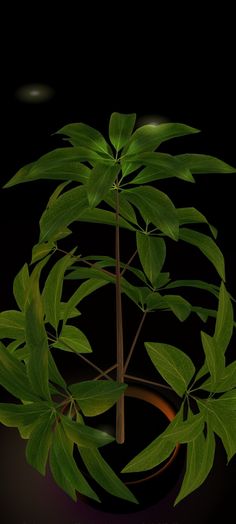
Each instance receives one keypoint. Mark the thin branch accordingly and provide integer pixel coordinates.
(139, 379)
(135, 341)
(129, 262)
(79, 257)
(106, 371)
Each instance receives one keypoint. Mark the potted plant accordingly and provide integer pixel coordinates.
(114, 185)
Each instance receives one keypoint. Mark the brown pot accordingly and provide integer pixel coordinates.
(147, 413)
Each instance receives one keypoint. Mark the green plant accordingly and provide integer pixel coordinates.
(111, 186)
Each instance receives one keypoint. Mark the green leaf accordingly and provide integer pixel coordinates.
(66, 210)
(207, 246)
(20, 286)
(85, 436)
(13, 376)
(228, 400)
(120, 129)
(214, 357)
(12, 324)
(41, 250)
(54, 373)
(205, 164)
(86, 136)
(180, 307)
(85, 289)
(101, 179)
(100, 470)
(53, 289)
(174, 366)
(190, 215)
(102, 216)
(64, 469)
(224, 320)
(155, 207)
(39, 442)
(72, 339)
(223, 422)
(152, 253)
(159, 166)
(226, 382)
(149, 137)
(125, 208)
(200, 458)
(36, 337)
(178, 431)
(199, 284)
(14, 415)
(95, 397)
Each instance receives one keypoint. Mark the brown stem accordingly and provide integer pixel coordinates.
(120, 416)
(106, 371)
(139, 379)
(134, 341)
(129, 262)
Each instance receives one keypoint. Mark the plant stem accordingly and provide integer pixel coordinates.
(106, 371)
(129, 262)
(120, 415)
(134, 341)
(139, 379)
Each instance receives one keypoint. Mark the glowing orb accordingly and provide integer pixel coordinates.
(34, 93)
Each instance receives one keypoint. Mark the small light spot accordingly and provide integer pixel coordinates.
(34, 93)
(152, 120)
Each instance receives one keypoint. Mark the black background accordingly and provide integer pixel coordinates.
(151, 67)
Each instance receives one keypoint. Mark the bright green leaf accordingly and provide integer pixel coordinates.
(190, 215)
(72, 339)
(207, 246)
(222, 421)
(101, 179)
(95, 397)
(224, 320)
(85, 436)
(85, 289)
(86, 136)
(12, 325)
(180, 307)
(172, 363)
(214, 356)
(205, 164)
(152, 253)
(20, 286)
(159, 166)
(120, 129)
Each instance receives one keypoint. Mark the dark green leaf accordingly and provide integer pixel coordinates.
(72, 339)
(200, 458)
(85, 436)
(36, 337)
(12, 324)
(64, 469)
(14, 415)
(199, 284)
(54, 373)
(120, 129)
(174, 366)
(101, 179)
(214, 356)
(205, 164)
(53, 290)
(86, 136)
(152, 253)
(149, 137)
(103, 216)
(159, 166)
(224, 320)
(20, 286)
(223, 422)
(66, 210)
(180, 307)
(228, 400)
(226, 382)
(13, 376)
(155, 207)
(207, 246)
(100, 470)
(190, 215)
(125, 208)
(85, 289)
(95, 397)
(39, 442)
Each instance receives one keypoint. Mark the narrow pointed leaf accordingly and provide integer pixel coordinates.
(12, 325)
(159, 166)
(72, 339)
(66, 210)
(54, 373)
(85, 436)
(120, 129)
(228, 400)
(64, 469)
(223, 422)
(155, 207)
(126, 210)
(53, 290)
(224, 320)
(20, 286)
(207, 246)
(152, 253)
(190, 215)
(214, 356)
(41, 250)
(100, 470)
(149, 137)
(36, 338)
(95, 397)
(200, 458)
(199, 284)
(39, 442)
(101, 179)
(102, 216)
(226, 382)
(13, 376)
(14, 415)
(85, 289)
(180, 307)
(83, 135)
(205, 164)
(172, 363)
